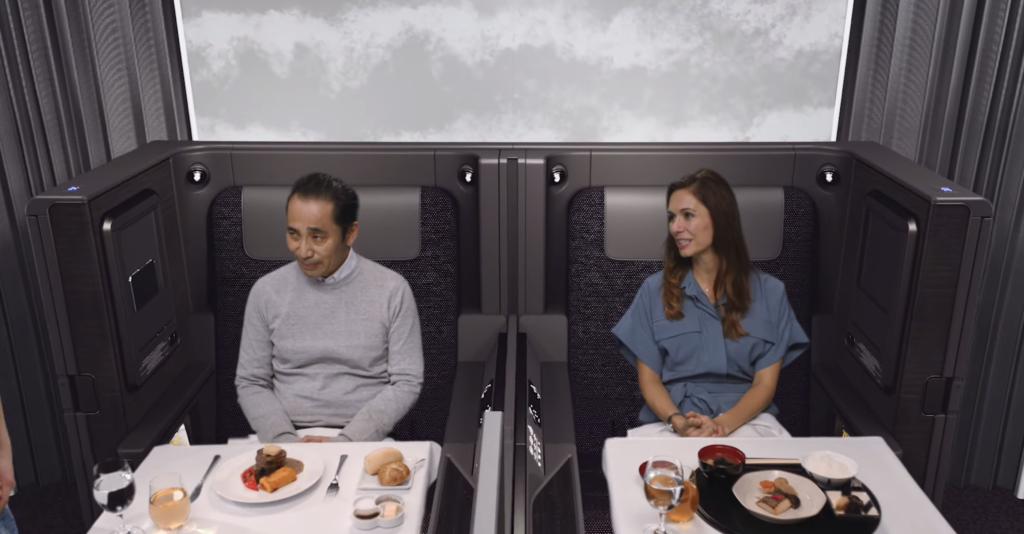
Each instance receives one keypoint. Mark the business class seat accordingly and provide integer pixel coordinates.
(432, 274)
(605, 394)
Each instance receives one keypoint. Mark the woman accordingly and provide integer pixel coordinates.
(709, 334)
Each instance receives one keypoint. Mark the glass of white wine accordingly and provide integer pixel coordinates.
(114, 490)
(169, 505)
(663, 487)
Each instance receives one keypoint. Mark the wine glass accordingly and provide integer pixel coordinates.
(114, 490)
(663, 486)
(169, 505)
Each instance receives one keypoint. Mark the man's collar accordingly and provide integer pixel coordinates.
(346, 268)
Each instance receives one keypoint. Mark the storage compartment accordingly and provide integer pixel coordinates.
(879, 304)
(136, 264)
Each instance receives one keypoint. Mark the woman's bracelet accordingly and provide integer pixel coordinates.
(668, 420)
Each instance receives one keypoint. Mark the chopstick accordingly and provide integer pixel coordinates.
(762, 461)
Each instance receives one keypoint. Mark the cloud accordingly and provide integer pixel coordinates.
(214, 129)
(620, 125)
(793, 125)
(505, 127)
(655, 37)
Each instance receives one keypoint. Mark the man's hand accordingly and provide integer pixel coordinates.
(315, 439)
(6, 477)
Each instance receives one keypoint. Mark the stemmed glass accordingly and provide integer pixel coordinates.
(663, 486)
(114, 490)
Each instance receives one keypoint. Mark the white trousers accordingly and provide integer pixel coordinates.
(764, 425)
(318, 431)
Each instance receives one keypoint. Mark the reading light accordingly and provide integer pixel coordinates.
(467, 175)
(947, 189)
(558, 175)
(198, 175)
(828, 176)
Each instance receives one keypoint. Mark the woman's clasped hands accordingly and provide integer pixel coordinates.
(695, 425)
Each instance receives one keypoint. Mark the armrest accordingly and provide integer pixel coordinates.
(159, 424)
(481, 355)
(187, 389)
(555, 498)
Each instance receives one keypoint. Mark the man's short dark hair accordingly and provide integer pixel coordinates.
(323, 186)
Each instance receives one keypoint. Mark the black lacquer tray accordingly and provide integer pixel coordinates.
(720, 509)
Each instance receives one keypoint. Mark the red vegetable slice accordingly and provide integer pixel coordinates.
(249, 479)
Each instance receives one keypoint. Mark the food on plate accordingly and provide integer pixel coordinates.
(781, 496)
(381, 457)
(393, 474)
(776, 504)
(278, 479)
(720, 460)
(853, 505)
(249, 478)
(272, 470)
(368, 514)
(390, 510)
(783, 488)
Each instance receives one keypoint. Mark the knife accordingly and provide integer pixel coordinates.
(199, 486)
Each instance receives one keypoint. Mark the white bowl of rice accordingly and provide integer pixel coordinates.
(829, 469)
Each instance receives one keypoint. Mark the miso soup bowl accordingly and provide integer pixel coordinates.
(737, 460)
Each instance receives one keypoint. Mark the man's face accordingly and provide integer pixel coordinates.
(315, 239)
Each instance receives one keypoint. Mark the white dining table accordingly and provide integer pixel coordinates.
(905, 508)
(307, 512)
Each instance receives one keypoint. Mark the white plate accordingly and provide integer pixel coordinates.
(748, 491)
(227, 479)
(370, 482)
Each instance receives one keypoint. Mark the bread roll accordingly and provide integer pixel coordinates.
(381, 457)
(393, 474)
(278, 479)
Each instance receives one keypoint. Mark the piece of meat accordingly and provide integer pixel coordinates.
(774, 504)
(269, 459)
(783, 488)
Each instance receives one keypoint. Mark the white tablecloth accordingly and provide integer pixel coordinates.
(307, 512)
(905, 508)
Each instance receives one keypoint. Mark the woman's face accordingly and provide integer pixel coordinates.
(689, 223)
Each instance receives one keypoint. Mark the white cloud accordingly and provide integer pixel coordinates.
(793, 125)
(654, 37)
(619, 125)
(213, 129)
(473, 128)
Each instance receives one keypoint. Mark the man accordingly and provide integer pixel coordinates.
(331, 339)
(7, 525)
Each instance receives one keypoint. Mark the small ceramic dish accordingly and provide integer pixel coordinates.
(365, 513)
(829, 469)
(392, 511)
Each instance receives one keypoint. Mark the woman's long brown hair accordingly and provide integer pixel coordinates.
(733, 278)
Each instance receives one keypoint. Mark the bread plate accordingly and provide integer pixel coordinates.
(370, 482)
(227, 479)
(748, 491)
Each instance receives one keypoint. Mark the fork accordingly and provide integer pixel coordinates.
(332, 490)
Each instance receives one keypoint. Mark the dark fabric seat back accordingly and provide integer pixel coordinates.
(433, 276)
(605, 394)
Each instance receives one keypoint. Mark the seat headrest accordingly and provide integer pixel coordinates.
(389, 222)
(636, 225)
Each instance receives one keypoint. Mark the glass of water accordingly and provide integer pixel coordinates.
(114, 490)
(663, 487)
